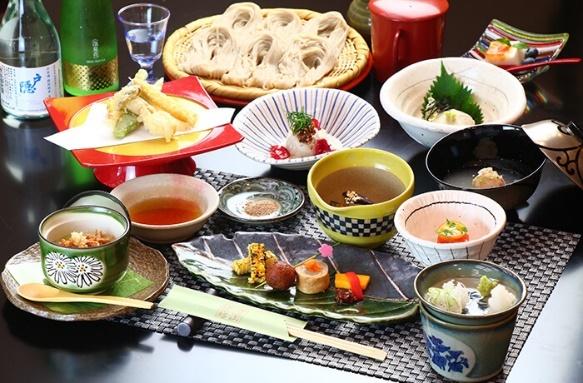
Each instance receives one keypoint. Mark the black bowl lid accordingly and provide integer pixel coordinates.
(98, 198)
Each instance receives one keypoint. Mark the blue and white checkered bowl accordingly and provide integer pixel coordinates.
(263, 122)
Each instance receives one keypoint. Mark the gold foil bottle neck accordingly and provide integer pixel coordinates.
(88, 78)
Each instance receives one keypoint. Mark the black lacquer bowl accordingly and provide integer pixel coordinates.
(455, 159)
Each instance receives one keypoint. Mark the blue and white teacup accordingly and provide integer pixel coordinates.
(462, 347)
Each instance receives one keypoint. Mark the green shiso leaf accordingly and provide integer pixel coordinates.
(504, 40)
(519, 45)
(447, 92)
(299, 121)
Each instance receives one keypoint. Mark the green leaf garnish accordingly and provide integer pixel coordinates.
(447, 92)
(503, 40)
(515, 44)
(519, 45)
(299, 121)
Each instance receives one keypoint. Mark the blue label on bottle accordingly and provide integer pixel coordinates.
(24, 89)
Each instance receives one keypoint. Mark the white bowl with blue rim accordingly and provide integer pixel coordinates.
(263, 122)
(418, 218)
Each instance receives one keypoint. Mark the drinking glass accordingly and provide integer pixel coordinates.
(144, 30)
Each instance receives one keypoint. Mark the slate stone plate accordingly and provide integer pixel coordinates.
(389, 297)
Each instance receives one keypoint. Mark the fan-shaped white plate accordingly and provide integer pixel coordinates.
(263, 122)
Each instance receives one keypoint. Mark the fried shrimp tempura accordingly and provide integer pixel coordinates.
(161, 123)
(165, 102)
(162, 115)
(156, 121)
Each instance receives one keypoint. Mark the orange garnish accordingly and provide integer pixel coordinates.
(313, 265)
(452, 231)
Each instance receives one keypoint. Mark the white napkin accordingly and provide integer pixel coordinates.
(97, 131)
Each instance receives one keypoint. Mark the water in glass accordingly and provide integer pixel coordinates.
(145, 29)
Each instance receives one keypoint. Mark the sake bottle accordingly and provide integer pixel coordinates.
(89, 47)
(30, 59)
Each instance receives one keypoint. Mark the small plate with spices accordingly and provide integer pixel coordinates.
(260, 200)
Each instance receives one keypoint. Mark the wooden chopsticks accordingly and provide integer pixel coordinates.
(340, 344)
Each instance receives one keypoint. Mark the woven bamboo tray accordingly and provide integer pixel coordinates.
(352, 66)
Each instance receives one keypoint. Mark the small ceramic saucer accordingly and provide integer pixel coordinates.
(260, 200)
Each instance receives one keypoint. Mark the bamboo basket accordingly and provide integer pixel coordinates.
(351, 64)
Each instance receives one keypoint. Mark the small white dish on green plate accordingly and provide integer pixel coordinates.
(260, 200)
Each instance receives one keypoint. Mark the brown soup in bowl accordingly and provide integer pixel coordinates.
(372, 184)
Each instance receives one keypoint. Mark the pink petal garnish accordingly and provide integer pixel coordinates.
(326, 250)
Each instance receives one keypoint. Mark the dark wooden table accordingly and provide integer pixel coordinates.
(37, 178)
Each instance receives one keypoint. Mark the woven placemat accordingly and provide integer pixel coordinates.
(538, 255)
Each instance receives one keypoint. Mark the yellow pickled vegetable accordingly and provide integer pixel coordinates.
(341, 281)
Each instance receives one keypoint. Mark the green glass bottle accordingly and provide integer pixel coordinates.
(89, 47)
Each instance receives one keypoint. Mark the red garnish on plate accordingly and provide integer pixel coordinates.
(315, 123)
(322, 146)
(355, 285)
(278, 152)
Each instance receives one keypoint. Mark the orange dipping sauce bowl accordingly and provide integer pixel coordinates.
(167, 208)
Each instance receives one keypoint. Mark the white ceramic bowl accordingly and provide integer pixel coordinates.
(418, 218)
(499, 94)
(168, 185)
(263, 122)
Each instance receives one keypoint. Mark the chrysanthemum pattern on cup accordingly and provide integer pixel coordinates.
(81, 271)
(88, 271)
(59, 268)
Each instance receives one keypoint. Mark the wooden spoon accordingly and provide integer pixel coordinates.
(42, 293)
(520, 68)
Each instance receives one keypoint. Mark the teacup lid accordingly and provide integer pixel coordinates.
(561, 144)
(98, 198)
(408, 10)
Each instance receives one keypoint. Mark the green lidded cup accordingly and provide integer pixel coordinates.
(86, 270)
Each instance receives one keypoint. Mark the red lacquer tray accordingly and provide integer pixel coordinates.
(114, 165)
